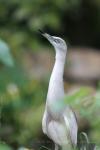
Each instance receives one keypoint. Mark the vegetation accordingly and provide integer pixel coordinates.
(21, 96)
(78, 20)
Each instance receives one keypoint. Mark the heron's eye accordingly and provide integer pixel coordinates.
(56, 40)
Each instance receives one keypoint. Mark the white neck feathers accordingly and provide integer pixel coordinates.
(56, 87)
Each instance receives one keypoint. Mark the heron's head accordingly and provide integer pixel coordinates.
(58, 43)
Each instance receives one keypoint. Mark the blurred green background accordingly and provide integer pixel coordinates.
(26, 61)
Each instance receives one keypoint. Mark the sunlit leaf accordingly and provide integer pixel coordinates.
(5, 54)
(4, 147)
(77, 95)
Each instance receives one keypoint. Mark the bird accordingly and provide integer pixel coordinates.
(59, 122)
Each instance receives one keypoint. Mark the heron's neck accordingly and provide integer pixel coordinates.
(58, 70)
(56, 87)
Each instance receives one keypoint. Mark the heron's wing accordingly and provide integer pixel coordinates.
(71, 124)
(59, 133)
(45, 121)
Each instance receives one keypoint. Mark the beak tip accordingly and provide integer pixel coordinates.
(40, 31)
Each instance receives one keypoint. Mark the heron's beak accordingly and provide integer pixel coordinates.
(41, 32)
(46, 35)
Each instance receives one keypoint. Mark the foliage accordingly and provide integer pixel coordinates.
(88, 105)
(21, 110)
(78, 20)
(5, 55)
(4, 147)
(21, 96)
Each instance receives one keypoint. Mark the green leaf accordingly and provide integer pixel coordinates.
(4, 147)
(5, 55)
(76, 96)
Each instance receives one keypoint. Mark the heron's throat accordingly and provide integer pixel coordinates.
(56, 86)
